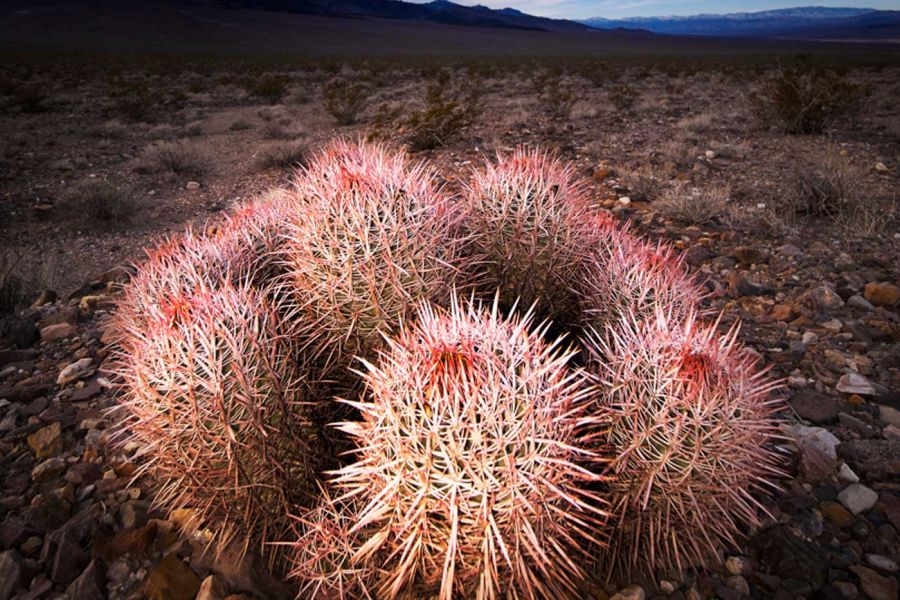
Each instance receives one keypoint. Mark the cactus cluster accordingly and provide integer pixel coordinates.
(488, 455)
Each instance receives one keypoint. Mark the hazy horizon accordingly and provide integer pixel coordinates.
(616, 9)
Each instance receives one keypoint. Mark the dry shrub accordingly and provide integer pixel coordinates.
(623, 96)
(344, 99)
(12, 287)
(696, 206)
(447, 111)
(805, 99)
(270, 87)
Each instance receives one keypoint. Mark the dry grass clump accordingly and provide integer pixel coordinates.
(687, 204)
(183, 158)
(829, 185)
(12, 287)
(98, 204)
(645, 183)
(825, 185)
(282, 155)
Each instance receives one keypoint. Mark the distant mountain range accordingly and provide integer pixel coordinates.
(809, 22)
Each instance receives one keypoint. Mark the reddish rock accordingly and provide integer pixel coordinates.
(882, 294)
(58, 331)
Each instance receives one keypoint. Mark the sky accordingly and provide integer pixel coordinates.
(581, 9)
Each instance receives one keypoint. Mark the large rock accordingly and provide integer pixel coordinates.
(172, 580)
(882, 294)
(11, 573)
(59, 331)
(854, 383)
(782, 553)
(822, 298)
(857, 498)
(815, 407)
(46, 442)
(90, 585)
(875, 586)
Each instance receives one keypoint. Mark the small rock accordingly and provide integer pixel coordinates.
(854, 383)
(839, 516)
(59, 331)
(857, 301)
(172, 580)
(815, 407)
(738, 584)
(881, 167)
(47, 441)
(782, 312)
(48, 469)
(11, 573)
(816, 437)
(632, 592)
(212, 588)
(624, 200)
(882, 563)
(857, 498)
(750, 255)
(846, 474)
(90, 585)
(822, 298)
(74, 371)
(875, 586)
(889, 415)
(737, 565)
(192, 185)
(882, 294)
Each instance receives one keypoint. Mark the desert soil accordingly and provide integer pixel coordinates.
(817, 295)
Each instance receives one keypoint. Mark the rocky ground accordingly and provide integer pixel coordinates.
(818, 298)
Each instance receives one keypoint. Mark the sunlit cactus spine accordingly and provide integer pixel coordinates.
(690, 436)
(323, 556)
(214, 401)
(525, 221)
(628, 276)
(373, 235)
(471, 470)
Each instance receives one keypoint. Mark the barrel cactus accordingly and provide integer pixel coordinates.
(629, 277)
(525, 218)
(214, 399)
(470, 470)
(372, 236)
(690, 439)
